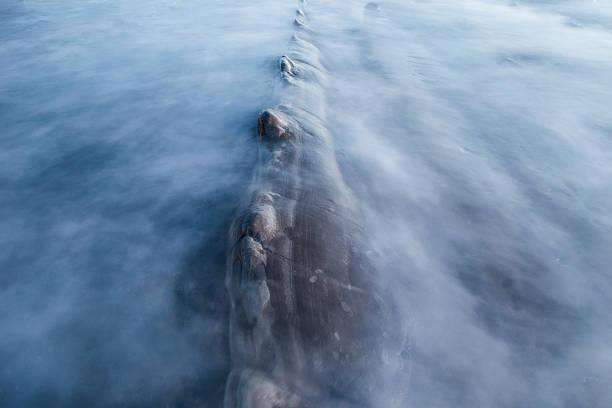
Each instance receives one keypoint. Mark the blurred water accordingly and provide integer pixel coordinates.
(476, 137)
(126, 142)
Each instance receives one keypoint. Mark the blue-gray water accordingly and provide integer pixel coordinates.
(476, 136)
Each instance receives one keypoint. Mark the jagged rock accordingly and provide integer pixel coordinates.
(272, 127)
(287, 66)
(261, 223)
(252, 259)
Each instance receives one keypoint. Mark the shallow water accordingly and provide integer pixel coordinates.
(475, 136)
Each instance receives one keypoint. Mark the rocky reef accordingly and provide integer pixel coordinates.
(308, 326)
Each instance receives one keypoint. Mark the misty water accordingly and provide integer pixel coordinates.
(475, 137)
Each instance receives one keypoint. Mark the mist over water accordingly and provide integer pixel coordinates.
(475, 137)
(126, 144)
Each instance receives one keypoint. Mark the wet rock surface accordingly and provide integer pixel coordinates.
(308, 324)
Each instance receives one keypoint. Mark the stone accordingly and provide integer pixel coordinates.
(271, 127)
(287, 66)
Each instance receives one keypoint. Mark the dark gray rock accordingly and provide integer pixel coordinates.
(308, 325)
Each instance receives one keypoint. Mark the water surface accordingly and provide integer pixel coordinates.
(476, 137)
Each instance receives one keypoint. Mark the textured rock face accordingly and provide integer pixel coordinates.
(287, 67)
(272, 128)
(307, 320)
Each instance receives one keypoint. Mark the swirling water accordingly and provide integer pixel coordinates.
(476, 137)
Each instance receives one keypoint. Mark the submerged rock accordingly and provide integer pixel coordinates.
(300, 23)
(249, 388)
(372, 9)
(372, 6)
